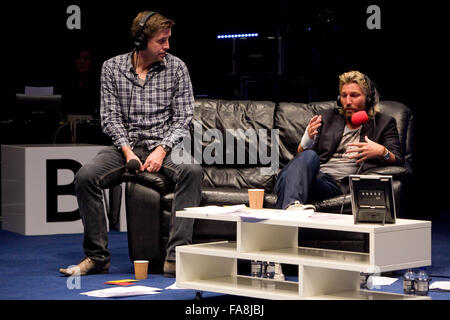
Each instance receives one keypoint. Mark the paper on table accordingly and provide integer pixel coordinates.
(217, 209)
(440, 285)
(329, 216)
(122, 292)
(256, 216)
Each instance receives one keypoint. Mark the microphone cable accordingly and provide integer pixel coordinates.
(362, 163)
(61, 125)
(348, 191)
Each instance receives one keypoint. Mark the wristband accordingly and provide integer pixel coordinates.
(306, 142)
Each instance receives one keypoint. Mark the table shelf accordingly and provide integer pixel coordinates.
(245, 286)
(343, 260)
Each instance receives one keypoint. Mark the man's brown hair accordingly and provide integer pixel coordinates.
(154, 24)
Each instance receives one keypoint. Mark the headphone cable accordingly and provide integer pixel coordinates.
(135, 74)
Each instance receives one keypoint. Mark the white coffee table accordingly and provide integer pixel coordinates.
(272, 235)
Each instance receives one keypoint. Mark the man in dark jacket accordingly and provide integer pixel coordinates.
(333, 147)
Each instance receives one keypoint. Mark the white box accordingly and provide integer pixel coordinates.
(24, 187)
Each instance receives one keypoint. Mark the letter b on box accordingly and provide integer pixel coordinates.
(54, 190)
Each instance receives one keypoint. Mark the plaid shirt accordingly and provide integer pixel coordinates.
(158, 111)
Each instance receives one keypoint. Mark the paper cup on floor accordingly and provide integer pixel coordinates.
(140, 269)
(256, 198)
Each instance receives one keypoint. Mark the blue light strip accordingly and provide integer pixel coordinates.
(237, 35)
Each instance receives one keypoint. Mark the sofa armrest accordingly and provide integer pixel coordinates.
(397, 172)
(155, 180)
(334, 205)
(144, 224)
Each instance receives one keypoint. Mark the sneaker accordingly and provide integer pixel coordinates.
(298, 206)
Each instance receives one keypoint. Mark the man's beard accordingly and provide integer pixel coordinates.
(349, 112)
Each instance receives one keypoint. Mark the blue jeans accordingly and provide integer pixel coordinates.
(301, 180)
(105, 166)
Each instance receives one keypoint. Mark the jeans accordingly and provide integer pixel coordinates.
(107, 165)
(301, 180)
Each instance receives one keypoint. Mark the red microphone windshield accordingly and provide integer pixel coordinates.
(359, 118)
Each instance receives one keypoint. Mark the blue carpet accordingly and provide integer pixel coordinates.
(29, 268)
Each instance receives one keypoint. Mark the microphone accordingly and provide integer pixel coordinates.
(359, 118)
(131, 166)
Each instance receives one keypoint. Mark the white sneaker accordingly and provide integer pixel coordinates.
(298, 206)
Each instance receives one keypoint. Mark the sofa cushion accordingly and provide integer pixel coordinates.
(228, 130)
(291, 119)
(404, 119)
(239, 178)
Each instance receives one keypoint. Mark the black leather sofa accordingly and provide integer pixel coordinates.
(149, 195)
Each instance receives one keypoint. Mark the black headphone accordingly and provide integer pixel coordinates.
(140, 39)
(371, 97)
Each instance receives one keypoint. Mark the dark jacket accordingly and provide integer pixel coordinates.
(382, 130)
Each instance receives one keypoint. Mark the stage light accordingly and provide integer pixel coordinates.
(237, 35)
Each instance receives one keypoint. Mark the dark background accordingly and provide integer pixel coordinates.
(407, 58)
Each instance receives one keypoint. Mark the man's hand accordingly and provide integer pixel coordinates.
(129, 154)
(154, 160)
(310, 132)
(365, 150)
(314, 125)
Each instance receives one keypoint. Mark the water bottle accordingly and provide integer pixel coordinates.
(363, 277)
(409, 279)
(422, 283)
(256, 268)
(269, 270)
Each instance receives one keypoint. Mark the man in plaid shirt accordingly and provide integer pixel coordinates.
(146, 108)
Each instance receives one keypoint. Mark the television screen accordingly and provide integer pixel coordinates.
(38, 108)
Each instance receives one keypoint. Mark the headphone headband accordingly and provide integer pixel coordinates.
(140, 39)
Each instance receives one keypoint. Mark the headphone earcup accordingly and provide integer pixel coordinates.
(338, 101)
(140, 41)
